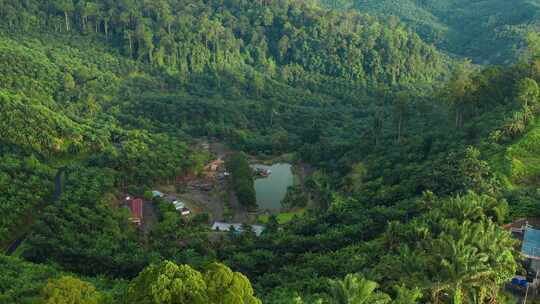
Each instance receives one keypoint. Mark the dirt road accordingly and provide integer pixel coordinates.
(209, 202)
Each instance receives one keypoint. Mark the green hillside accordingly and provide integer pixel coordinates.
(77, 81)
(407, 161)
(485, 31)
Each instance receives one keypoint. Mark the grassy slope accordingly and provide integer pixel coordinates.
(518, 167)
(519, 162)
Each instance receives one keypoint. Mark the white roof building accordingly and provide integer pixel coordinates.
(221, 226)
(156, 193)
(179, 205)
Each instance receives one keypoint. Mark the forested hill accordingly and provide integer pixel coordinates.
(414, 161)
(114, 94)
(287, 37)
(487, 31)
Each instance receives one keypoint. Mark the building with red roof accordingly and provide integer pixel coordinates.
(136, 207)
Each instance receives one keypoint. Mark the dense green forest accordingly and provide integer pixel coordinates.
(487, 31)
(418, 157)
(242, 179)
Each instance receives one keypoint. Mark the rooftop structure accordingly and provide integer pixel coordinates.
(179, 205)
(520, 225)
(221, 226)
(136, 207)
(156, 193)
(531, 244)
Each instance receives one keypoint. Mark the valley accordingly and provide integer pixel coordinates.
(281, 152)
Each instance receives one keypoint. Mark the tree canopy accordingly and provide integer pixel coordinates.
(408, 160)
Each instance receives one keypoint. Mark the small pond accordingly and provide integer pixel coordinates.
(271, 190)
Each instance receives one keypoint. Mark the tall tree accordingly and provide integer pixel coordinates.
(70, 290)
(459, 89)
(228, 287)
(378, 123)
(527, 92)
(168, 283)
(401, 104)
(66, 7)
(407, 296)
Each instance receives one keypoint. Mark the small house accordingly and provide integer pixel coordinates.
(136, 207)
(531, 244)
(179, 205)
(519, 226)
(527, 231)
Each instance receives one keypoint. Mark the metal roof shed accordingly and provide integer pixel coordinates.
(136, 207)
(531, 244)
(220, 226)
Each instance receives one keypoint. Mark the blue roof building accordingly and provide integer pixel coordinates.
(531, 244)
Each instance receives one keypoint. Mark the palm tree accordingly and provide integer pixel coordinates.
(355, 289)
(66, 6)
(474, 259)
(407, 296)
(458, 88)
(517, 125)
(460, 267)
(527, 92)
